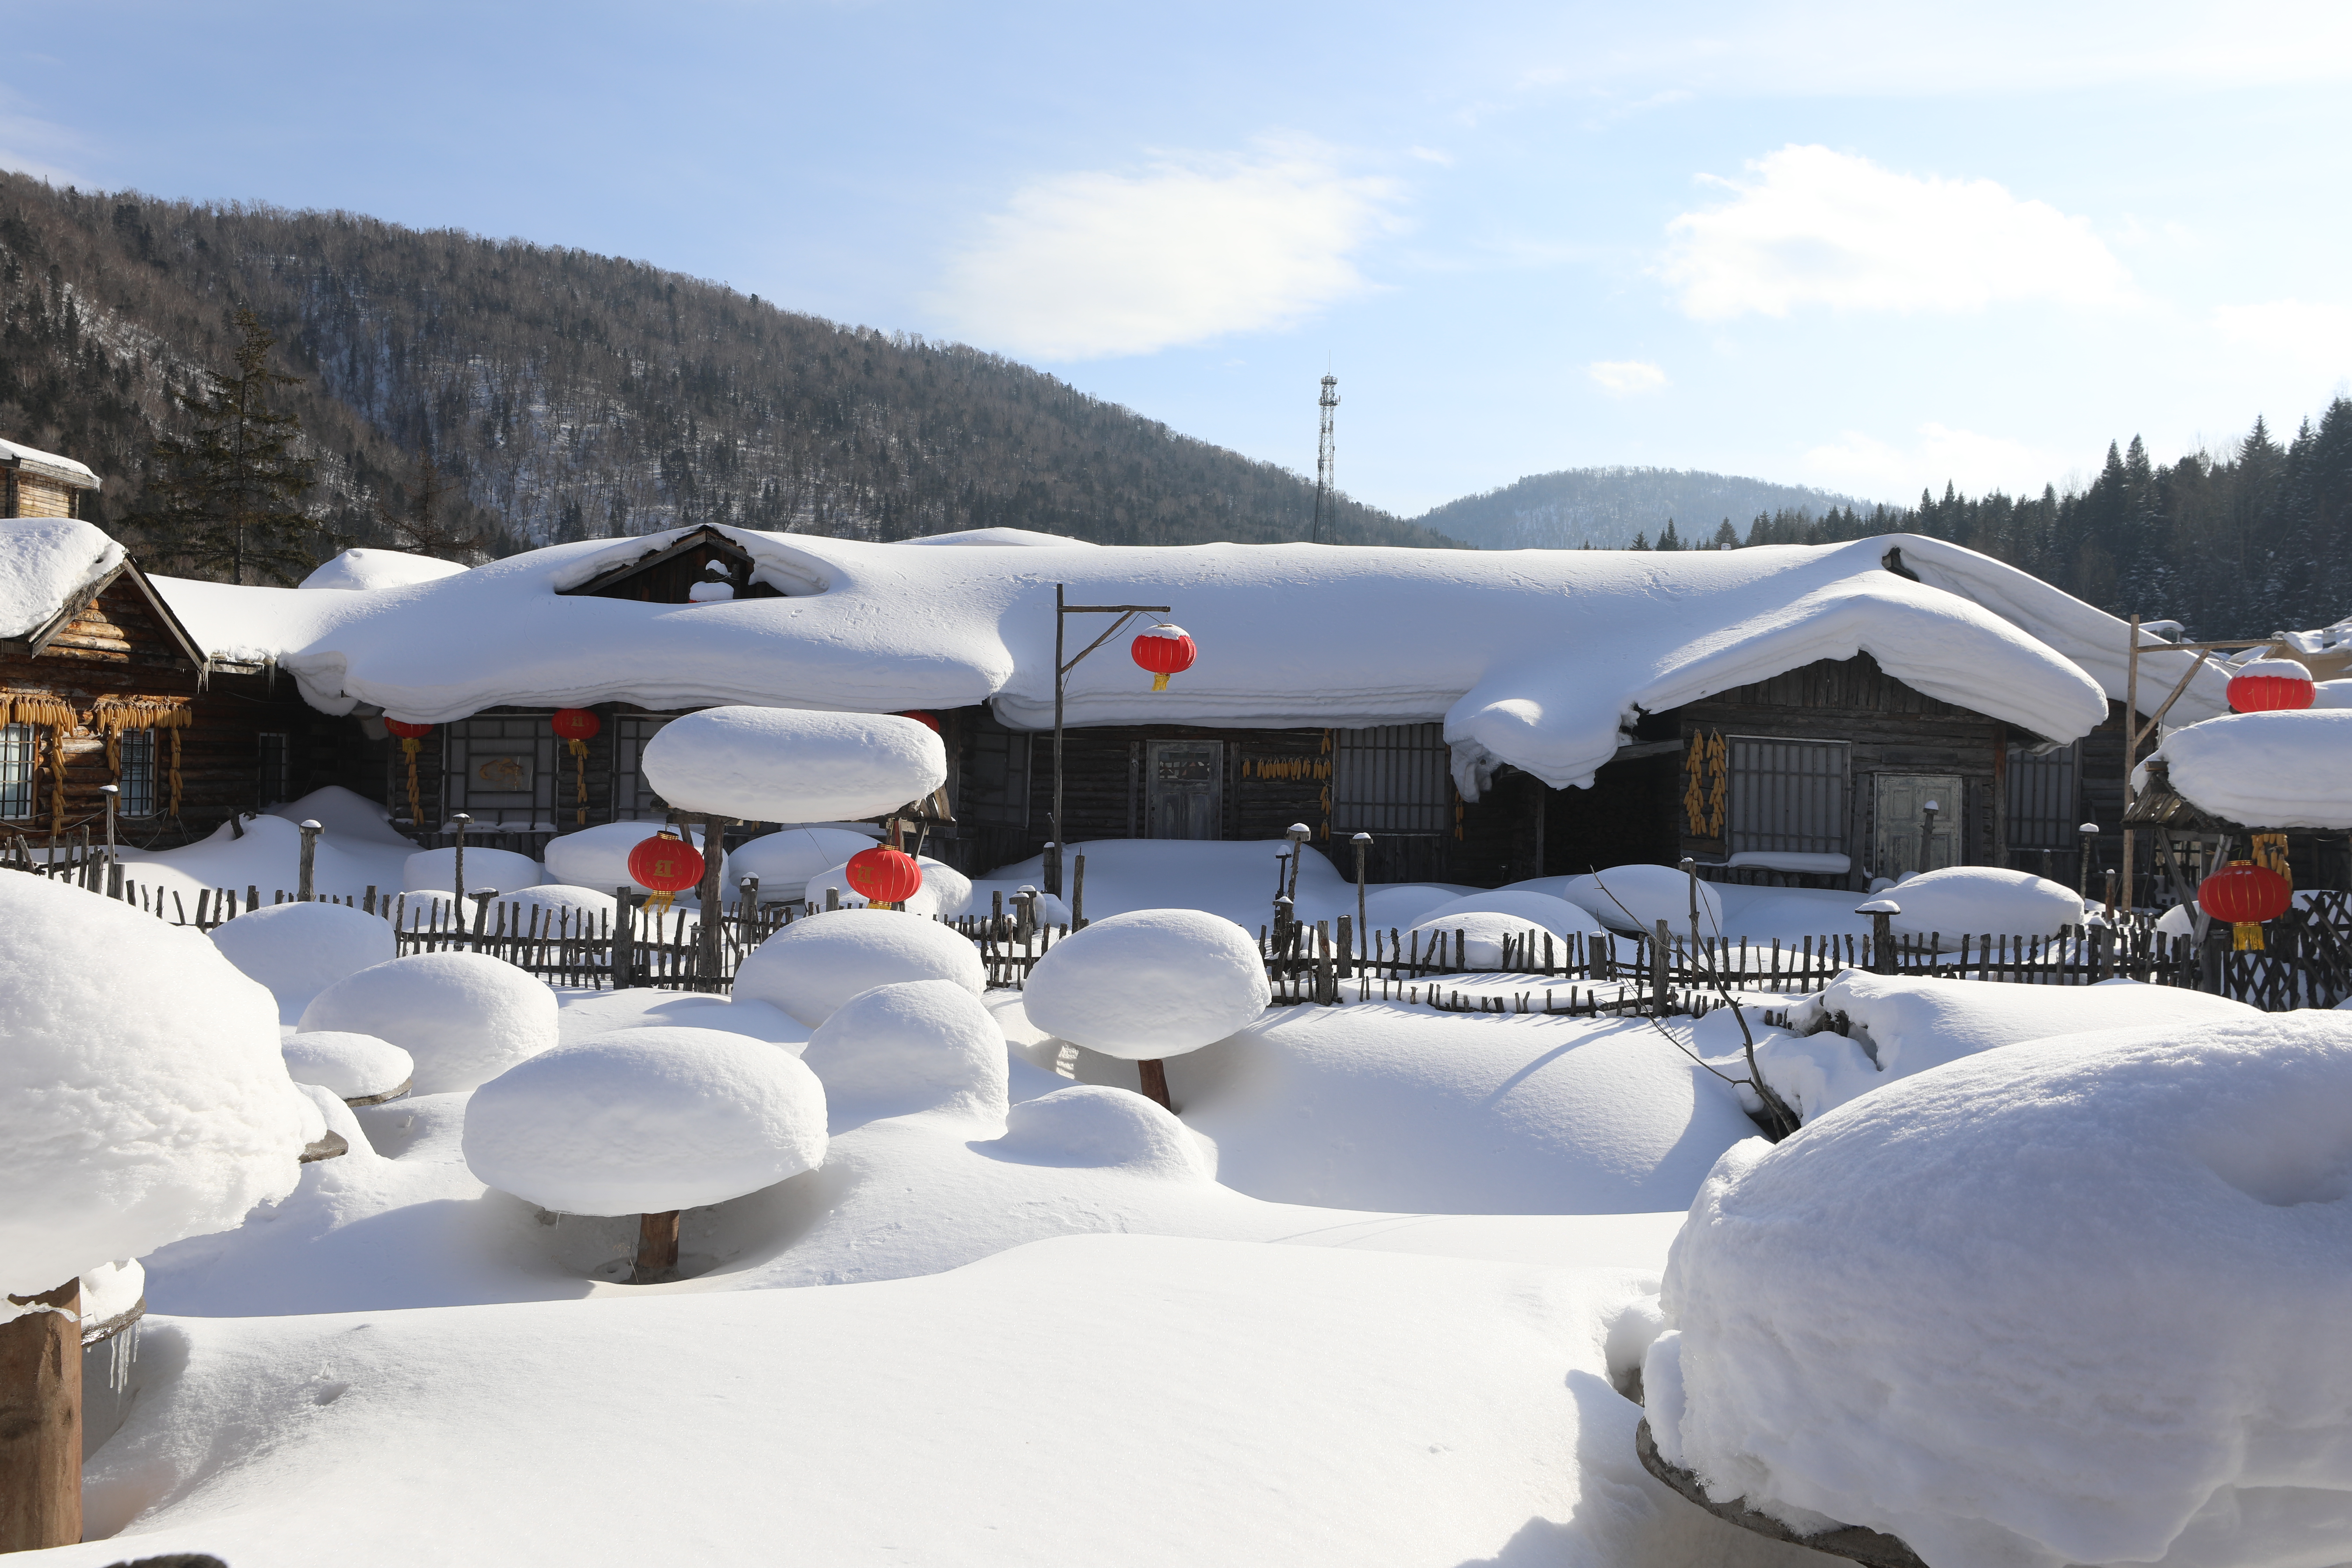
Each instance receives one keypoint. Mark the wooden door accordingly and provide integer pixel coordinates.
(1185, 789)
(1902, 801)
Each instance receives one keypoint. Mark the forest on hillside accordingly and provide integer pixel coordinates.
(566, 395)
(1607, 509)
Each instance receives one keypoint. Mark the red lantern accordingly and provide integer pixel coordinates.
(2272, 686)
(667, 865)
(882, 876)
(928, 720)
(2245, 895)
(406, 731)
(576, 724)
(1164, 650)
(576, 727)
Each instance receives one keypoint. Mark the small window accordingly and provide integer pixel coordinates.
(137, 779)
(1391, 779)
(16, 759)
(277, 768)
(1788, 797)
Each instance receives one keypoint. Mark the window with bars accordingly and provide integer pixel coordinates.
(634, 800)
(19, 755)
(136, 781)
(1788, 797)
(277, 768)
(2043, 812)
(501, 770)
(1391, 779)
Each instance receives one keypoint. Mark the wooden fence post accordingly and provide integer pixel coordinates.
(623, 930)
(305, 887)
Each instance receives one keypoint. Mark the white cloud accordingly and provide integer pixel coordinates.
(1088, 264)
(1626, 377)
(1819, 227)
(1864, 464)
(2312, 339)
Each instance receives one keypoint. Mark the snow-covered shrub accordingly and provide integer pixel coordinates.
(817, 963)
(1896, 1026)
(1483, 932)
(463, 1016)
(1148, 983)
(785, 861)
(1091, 1125)
(598, 856)
(1403, 904)
(916, 1045)
(945, 890)
(553, 900)
(647, 1121)
(791, 764)
(1973, 901)
(2062, 1302)
(486, 870)
(1486, 920)
(1636, 897)
(351, 1066)
(1542, 910)
(299, 949)
(141, 1095)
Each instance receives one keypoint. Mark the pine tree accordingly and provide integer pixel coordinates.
(1726, 536)
(223, 499)
(1669, 540)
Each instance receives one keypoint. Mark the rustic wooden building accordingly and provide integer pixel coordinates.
(41, 484)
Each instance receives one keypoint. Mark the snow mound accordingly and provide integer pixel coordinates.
(363, 569)
(814, 964)
(598, 856)
(1024, 537)
(1974, 900)
(463, 1016)
(646, 1121)
(788, 764)
(299, 949)
(785, 860)
(348, 1065)
(2059, 1304)
(1483, 931)
(486, 870)
(1092, 1125)
(2333, 694)
(1636, 897)
(916, 1045)
(345, 814)
(946, 891)
(588, 1014)
(141, 1095)
(1403, 904)
(553, 899)
(1148, 983)
(44, 561)
(1897, 1026)
(1485, 918)
(2267, 769)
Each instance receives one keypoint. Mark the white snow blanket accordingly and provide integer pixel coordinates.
(141, 1095)
(2267, 769)
(786, 859)
(1977, 900)
(786, 764)
(348, 1065)
(946, 891)
(299, 950)
(364, 569)
(1636, 897)
(646, 1120)
(817, 962)
(913, 1045)
(1148, 983)
(465, 1017)
(43, 562)
(1540, 658)
(2064, 1303)
(1897, 1026)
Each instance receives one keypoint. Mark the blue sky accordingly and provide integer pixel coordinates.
(1865, 247)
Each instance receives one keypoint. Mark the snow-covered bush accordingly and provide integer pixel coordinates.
(1148, 983)
(945, 890)
(1896, 1026)
(463, 1016)
(1542, 910)
(598, 856)
(299, 950)
(790, 764)
(351, 1066)
(1972, 901)
(1636, 897)
(1403, 904)
(916, 1045)
(647, 1121)
(553, 900)
(1091, 1125)
(1487, 919)
(1483, 932)
(814, 964)
(486, 870)
(2062, 1302)
(143, 1098)
(787, 861)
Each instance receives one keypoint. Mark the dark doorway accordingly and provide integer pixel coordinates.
(1626, 818)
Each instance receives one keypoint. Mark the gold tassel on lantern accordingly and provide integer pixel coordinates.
(580, 780)
(411, 745)
(2246, 937)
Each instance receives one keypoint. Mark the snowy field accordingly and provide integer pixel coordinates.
(951, 1287)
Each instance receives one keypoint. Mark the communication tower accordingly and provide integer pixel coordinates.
(1326, 403)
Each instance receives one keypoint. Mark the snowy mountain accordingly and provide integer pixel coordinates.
(1605, 508)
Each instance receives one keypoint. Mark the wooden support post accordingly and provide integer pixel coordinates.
(307, 886)
(656, 1248)
(1881, 941)
(40, 1422)
(1346, 943)
(1660, 957)
(624, 948)
(1077, 892)
(1153, 1076)
(710, 970)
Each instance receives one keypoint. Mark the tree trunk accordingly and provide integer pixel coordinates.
(1154, 1074)
(656, 1248)
(40, 1422)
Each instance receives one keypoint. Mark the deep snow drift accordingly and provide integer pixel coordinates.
(2062, 1302)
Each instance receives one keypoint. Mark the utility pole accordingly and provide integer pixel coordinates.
(1326, 403)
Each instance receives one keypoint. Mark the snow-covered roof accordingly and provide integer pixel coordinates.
(1539, 658)
(47, 465)
(47, 562)
(379, 569)
(2265, 770)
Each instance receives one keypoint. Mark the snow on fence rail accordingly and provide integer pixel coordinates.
(2307, 962)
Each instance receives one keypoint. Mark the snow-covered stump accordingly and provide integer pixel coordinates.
(1148, 984)
(40, 1420)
